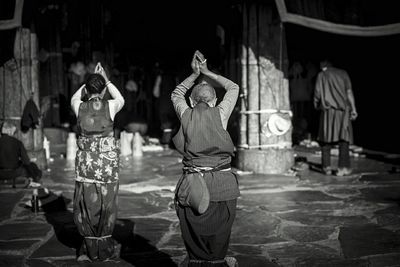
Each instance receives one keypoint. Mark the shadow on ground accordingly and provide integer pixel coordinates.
(135, 249)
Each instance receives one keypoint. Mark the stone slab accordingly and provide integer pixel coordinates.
(11, 261)
(24, 231)
(254, 261)
(301, 251)
(255, 180)
(364, 240)
(17, 246)
(333, 263)
(265, 161)
(152, 259)
(253, 227)
(392, 259)
(382, 194)
(38, 263)
(8, 202)
(307, 233)
(311, 217)
(381, 178)
(131, 205)
(245, 249)
(300, 196)
(389, 217)
(55, 248)
(140, 235)
(73, 263)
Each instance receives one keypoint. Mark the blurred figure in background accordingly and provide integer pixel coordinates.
(164, 84)
(14, 160)
(300, 98)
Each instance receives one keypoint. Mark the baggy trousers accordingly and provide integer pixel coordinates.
(206, 236)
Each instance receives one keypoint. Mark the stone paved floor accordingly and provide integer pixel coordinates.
(304, 220)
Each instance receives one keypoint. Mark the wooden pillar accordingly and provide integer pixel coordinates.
(252, 77)
(22, 51)
(243, 140)
(51, 68)
(264, 74)
(19, 83)
(274, 85)
(37, 133)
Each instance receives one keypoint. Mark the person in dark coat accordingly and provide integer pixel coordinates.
(14, 160)
(334, 97)
(207, 150)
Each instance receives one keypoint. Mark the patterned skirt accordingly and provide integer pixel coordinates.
(95, 198)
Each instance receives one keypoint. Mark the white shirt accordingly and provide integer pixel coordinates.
(114, 104)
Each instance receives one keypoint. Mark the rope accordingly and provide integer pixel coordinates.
(276, 145)
(209, 262)
(101, 237)
(12, 118)
(337, 28)
(262, 111)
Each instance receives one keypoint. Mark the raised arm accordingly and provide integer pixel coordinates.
(227, 105)
(178, 95)
(117, 102)
(76, 100)
(350, 97)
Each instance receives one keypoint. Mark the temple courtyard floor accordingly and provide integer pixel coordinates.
(303, 218)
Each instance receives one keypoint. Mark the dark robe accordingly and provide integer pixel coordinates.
(331, 99)
(204, 142)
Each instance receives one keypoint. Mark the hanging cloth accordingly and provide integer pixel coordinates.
(30, 116)
(337, 28)
(16, 20)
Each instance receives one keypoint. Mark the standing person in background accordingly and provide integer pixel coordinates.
(207, 151)
(164, 84)
(96, 167)
(334, 98)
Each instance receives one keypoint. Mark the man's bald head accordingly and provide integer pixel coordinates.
(203, 92)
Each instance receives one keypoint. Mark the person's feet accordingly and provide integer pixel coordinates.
(343, 172)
